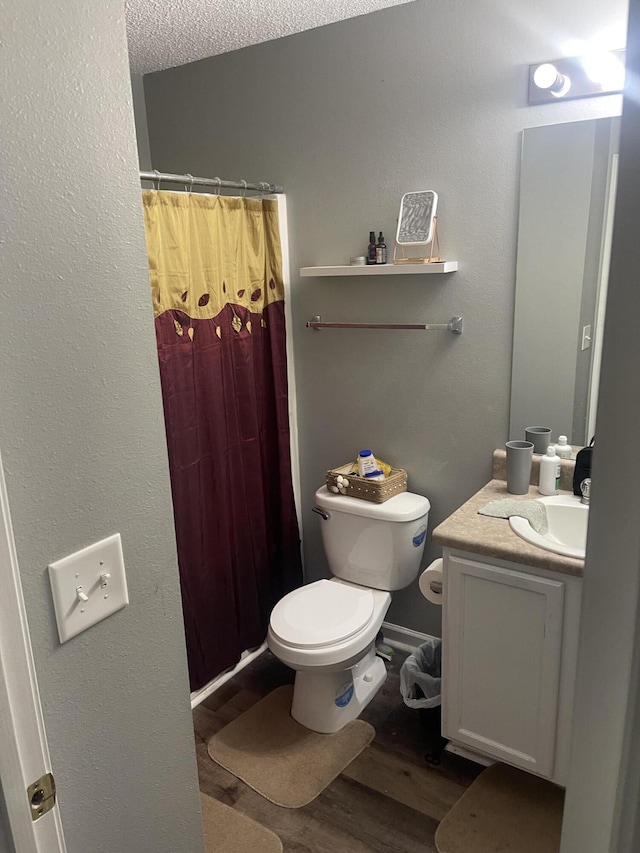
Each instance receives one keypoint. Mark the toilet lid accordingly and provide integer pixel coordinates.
(321, 613)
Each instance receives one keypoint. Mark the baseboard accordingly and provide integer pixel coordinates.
(401, 638)
(405, 639)
(200, 695)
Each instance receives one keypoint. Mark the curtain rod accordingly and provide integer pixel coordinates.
(189, 180)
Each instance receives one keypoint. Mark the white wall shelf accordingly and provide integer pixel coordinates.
(382, 269)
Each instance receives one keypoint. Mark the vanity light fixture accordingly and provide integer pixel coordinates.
(600, 73)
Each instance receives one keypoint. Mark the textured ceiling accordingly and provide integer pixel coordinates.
(166, 33)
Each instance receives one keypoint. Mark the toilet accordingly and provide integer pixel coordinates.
(326, 630)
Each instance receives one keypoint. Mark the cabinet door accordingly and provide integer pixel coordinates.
(501, 653)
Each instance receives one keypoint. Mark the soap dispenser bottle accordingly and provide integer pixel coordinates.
(550, 472)
(563, 448)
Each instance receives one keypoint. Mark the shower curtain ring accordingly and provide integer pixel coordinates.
(244, 189)
(188, 189)
(157, 174)
(219, 184)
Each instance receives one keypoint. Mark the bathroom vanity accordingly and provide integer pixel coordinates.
(511, 617)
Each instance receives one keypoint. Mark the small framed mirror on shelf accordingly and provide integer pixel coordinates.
(417, 226)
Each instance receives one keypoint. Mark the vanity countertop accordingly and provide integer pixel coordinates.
(493, 537)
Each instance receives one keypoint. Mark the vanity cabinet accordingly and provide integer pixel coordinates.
(510, 640)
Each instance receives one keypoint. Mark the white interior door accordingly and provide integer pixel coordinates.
(24, 755)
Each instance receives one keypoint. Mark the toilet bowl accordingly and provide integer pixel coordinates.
(326, 630)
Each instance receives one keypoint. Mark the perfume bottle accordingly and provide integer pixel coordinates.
(381, 250)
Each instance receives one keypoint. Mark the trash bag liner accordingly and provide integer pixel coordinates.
(420, 676)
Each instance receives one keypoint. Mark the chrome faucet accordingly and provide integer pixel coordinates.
(585, 488)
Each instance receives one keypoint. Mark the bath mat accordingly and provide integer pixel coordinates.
(507, 810)
(229, 831)
(280, 759)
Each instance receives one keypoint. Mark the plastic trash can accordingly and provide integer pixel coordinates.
(420, 686)
(420, 676)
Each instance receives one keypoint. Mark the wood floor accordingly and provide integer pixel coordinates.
(389, 800)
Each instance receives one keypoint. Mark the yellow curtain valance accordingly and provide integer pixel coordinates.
(206, 251)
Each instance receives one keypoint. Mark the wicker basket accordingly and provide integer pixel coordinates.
(377, 491)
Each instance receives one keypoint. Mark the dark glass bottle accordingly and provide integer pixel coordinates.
(381, 250)
(371, 249)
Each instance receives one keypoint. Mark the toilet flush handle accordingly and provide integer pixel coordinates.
(321, 512)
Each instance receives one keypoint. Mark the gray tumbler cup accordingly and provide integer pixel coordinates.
(540, 437)
(519, 458)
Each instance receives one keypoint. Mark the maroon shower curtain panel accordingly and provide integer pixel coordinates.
(227, 424)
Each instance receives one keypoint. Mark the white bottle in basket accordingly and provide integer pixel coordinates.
(367, 463)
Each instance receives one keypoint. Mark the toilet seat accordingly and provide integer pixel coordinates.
(321, 614)
(333, 626)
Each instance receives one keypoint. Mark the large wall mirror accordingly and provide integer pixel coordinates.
(567, 193)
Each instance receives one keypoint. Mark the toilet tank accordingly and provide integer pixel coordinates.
(375, 545)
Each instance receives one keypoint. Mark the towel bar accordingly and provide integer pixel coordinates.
(454, 325)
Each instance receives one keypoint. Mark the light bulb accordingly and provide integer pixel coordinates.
(604, 68)
(548, 77)
(545, 75)
(561, 87)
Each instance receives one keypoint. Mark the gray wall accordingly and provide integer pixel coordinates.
(348, 117)
(81, 428)
(140, 116)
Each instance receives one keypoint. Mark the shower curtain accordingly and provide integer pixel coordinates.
(218, 298)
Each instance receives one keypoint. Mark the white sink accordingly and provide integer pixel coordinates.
(568, 519)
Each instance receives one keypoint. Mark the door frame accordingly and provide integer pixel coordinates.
(24, 753)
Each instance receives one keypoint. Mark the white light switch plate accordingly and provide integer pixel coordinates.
(96, 574)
